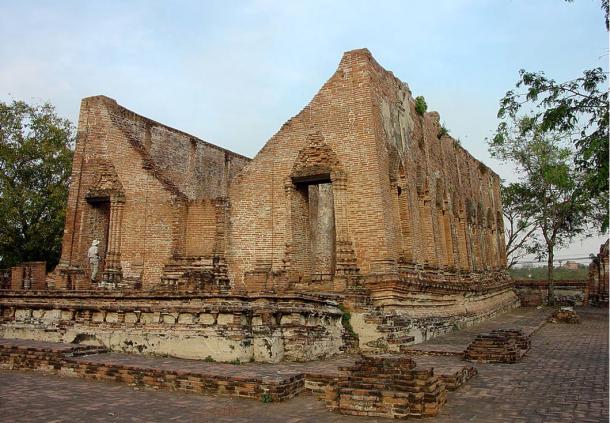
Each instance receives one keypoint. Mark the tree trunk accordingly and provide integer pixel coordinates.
(549, 277)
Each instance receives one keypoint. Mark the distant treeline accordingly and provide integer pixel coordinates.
(559, 273)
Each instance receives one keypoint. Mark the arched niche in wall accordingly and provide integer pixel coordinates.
(316, 211)
(104, 213)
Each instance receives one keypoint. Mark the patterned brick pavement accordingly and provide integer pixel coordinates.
(564, 378)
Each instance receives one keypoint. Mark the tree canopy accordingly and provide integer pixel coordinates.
(520, 230)
(548, 195)
(578, 109)
(35, 161)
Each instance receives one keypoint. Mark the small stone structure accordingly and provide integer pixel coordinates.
(387, 387)
(358, 201)
(498, 346)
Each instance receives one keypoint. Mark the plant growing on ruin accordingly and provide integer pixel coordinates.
(443, 130)
(420, 105)
(266, 398)
(35, 165)
(346, 321)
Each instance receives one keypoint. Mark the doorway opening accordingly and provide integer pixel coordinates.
(314, 228)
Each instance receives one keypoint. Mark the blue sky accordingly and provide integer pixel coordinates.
(232, 72)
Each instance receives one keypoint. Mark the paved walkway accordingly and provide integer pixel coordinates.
(527, 319)
(564, 378)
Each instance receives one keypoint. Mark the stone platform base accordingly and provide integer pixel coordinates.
(227, 328)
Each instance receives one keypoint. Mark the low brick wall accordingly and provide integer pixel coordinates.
(61, 362)
(536, 292)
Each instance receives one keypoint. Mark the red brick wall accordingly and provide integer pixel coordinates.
(156, 169)
(379, 148)
(200, 229)
(35, 270)
(402, 195)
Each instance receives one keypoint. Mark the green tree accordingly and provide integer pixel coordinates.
(35, 162)
(579, 110)
(549, 190)
(520, 230)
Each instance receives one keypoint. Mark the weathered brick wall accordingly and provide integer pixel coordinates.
(402, 193)
(445, 205)
(267, 328)
(132, 180)
(260, 197)
(200, 228)
(29, 275)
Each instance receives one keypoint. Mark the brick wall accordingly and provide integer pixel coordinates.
(357, 188)
(152, 172)
(29, 275)
(407, 195)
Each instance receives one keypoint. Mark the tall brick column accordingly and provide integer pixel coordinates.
(112, 272)
(447, 225)
(345, 256)
(406, 224)
(427, 218)
(464, 250)
(289, 189)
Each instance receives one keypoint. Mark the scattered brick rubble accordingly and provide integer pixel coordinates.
(498, 346)
(565, 315)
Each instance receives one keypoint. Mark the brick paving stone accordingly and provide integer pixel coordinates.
(563, 378)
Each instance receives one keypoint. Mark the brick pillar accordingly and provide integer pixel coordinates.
(419, 245)
(179, 228)
(500, 240)
(220, 208)
(476, 246)
(463, 249)
(447, 225)
(345, 256)
(112, 271)
(406, 223)
(17, 277)
(426, 219)
(397, 219)
(289, 189)
(439, 236)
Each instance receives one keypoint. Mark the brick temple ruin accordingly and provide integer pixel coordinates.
(358, 204)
